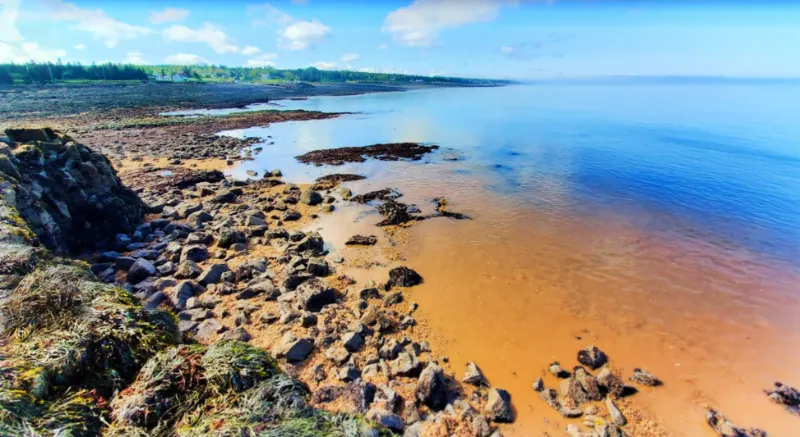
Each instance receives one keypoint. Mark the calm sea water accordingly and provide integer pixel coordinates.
(724, 158)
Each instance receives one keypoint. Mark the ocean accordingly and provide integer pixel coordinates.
(660, 221)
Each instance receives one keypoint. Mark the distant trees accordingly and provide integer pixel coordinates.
(5, 77)
(49, 72)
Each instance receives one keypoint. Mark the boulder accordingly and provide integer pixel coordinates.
(140, 270)
(405, 365)
(431, 387)
(386, 419)
(644, 377)
(592, 357)
(310, 197)
(498, 406)
(213, 274)
(352, 341)
(194, 253)
(473, 375)
(207, 328)
(188, 270)
(403, 277)
(314, 294)
(293, 349)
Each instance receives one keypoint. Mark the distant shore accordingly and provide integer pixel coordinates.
(44, 101)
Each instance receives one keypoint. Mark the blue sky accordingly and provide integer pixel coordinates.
(478, 38)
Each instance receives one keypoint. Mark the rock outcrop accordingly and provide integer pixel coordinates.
(68, 195)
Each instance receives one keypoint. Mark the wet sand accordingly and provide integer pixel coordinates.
(517, 288)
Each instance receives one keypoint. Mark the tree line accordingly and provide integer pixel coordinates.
(58, 72)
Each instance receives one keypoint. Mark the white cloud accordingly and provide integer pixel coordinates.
(9, 11)
(264, 60)
(169, 15)
(186, 59)
(80, 47)
(506, 49)
(383, 46)
(322, 65)
(22, 52)
(209, 34)
(293, 34)
(271, 14)
(134, 58)
(250, 50)
(420, 23)
(301, 35)
(350, 57)
(95, 21)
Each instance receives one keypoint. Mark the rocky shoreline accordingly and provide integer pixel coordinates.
(243, 306)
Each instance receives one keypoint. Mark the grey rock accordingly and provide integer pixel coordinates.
(140, 270)
(352, 341)
(592, 357)
(405, 365)
(314, 294)
(431, 387)
(293, 349)
(195, 253)
(616, 416)
(498, 406)
(337, 354)
(207, 329)
(213, 274)
(310, 197)
(348, 373)
(473, 375)
(644, 377)
(386, 419)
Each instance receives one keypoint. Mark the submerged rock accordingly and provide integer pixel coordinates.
(360, 240)
(786, 396)
(404, 277)
(725, 428)
(592, 357)
(645, 378)
(473, 375)
(498, 406)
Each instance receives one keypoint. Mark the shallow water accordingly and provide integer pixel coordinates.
(660, 222)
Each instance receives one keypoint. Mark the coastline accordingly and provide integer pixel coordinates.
(397, 246)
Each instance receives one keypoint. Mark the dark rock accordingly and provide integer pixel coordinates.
(369, 293)
(473, 375)
(786, 396)
(317, 267)
(188, 270)
(392, 299)
(386, 419)
(725, 428)
(352, 341)
(181, 293)
(405, 365)
(383, 152)
(360, 240)
(643, 377)
(395, 213)
(314, 294)
(311, 197)
(213, 274)
(349, 373)
(140, 270)
(592, 357)
(124, 262)
(227, 237)
(588, 383)
(291, 215)
(207, 329)
(404, 277)
(611, 382)
(293, 349)
(498, 406)
(556, 369)
(432, 388)
(237, 334)
(195, 253)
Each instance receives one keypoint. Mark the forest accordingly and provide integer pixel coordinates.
(76, 72)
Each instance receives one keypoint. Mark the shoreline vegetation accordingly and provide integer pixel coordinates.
(144, 293)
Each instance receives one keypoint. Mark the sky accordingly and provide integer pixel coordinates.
(515, 39)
